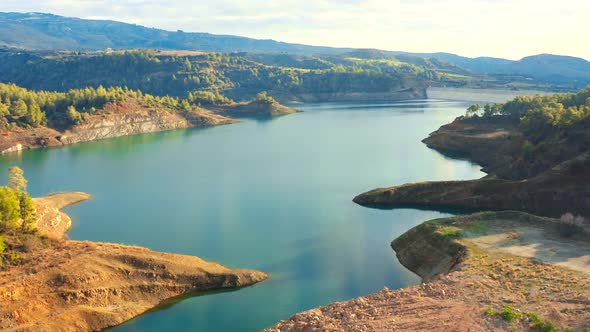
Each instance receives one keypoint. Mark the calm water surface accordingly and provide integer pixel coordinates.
(268, 195)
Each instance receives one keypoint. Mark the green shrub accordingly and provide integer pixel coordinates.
(265, 98)
(528, 150)
(509, 315)
(570, 225)
(2, 244)
(451, 233)
(538, 324)
(14, 257)
(9, 208)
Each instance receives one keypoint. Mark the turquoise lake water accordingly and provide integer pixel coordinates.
(271, 195)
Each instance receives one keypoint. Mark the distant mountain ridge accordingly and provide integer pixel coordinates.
(559, 69)
(41, 31)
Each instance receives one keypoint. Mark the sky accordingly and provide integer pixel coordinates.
(501, 28)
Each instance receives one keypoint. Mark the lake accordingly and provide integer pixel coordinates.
(273, 195)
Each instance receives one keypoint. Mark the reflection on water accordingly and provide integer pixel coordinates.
(269, 195)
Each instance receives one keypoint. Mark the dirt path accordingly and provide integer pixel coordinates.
(536, 242)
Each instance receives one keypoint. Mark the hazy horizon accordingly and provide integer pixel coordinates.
(505, 29)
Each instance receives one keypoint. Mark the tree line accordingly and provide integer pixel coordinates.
(28, 108)
(536, 115)
(238, 76)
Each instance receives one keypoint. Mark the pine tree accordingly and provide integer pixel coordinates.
(16, 179)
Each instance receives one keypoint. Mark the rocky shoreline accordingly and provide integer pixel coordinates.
(86, 286)
(548, 187)
(480, 274)
(400, 94)
(127, 118)
(487, 271)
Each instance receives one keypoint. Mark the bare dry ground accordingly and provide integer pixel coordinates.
(63, 199)
(506, 281)
(51, 221)
(535, 242)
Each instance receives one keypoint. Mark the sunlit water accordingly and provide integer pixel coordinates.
(268, 195)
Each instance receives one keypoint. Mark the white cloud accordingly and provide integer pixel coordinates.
(506, 28)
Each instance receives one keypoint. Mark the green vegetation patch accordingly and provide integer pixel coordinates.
(510, 315)
(538, 324)
(17, 218)
(538, 116)
(239, 76)
(450, 232)
(28, 108)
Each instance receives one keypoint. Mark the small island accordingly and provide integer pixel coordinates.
(52, 283)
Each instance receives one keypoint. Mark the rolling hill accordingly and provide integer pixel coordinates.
(41, 31)
(48, 32)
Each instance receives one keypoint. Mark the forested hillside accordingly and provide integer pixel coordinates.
(559, 72)
(39, 31)
(240, 76)
(555, 127)
(538, 115)
(60, 110)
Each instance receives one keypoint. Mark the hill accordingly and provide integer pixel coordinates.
(40, 31)
(554, 69)
(239, 76)
(48, 32)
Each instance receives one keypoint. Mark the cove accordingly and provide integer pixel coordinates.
(272, 195)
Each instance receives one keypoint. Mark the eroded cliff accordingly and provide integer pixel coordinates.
(122, 118)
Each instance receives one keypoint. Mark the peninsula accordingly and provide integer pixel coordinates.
(50, 283)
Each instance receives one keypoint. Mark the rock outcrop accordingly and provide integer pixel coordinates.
(552, 185)
(493, 145)
(17, 139)
(254, 109)
(122, 118)
(553, 193)
(122, 124)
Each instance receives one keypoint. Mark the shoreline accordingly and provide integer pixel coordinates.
(489, 270)
(107, 127)
(474, 95)
(125, 123)
(476, 269)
